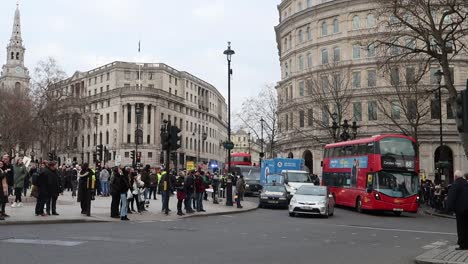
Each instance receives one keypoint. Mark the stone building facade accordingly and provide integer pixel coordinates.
(311, 36)
(100, 108)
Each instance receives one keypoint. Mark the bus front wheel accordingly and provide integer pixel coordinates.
(397, 213)
(359, 205)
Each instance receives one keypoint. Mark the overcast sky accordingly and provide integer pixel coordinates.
(188, 35)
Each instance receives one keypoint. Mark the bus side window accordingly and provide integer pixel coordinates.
(362, 149)
(370, 148)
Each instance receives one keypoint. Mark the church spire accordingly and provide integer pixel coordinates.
(16, 39)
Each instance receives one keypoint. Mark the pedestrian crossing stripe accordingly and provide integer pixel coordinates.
(43, 242)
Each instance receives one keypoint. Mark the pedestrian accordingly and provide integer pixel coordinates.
(145, 178)
(20, 173)
(3, 189)
(240, 187)
(215, 185)
(54, 186)
(179, 185)
(165, 186)
(85, 188)
(28, 181)
(124, 188)
(8, 169)
(458, 202)
(42, 183)
(153, 184)
(200, 191)
(74, 179)
(189, 186)
(115, 183)
(104, 179)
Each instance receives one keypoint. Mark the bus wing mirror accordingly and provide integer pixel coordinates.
(321, 163)
(369, 189)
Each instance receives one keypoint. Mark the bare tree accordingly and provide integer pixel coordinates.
(265, 106)
(428, 31)
(405, 104)
(48, 102)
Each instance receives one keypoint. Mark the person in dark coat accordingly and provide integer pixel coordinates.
(165, 186)
(8, 169)
(54, 186)
(115, 187)
(42, 183)
(3, 188)
(189, 185)
(179, 186)
(458, 202)
(85, 188)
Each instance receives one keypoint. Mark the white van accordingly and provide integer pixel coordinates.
(293, 179)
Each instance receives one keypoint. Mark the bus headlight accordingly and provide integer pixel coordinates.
(377, 196)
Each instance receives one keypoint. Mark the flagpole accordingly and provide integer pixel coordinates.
(139, 65)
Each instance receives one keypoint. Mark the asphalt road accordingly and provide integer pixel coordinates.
(261, 236)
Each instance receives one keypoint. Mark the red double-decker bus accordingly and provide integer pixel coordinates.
(376, 173)
(240, 158)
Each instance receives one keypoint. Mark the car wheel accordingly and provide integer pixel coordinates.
(292, 214)
(260, 206)
(359, 205)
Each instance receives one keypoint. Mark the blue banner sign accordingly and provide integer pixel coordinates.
(343, 163)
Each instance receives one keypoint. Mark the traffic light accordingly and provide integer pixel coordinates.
(462, 112)
(50, 155)
(132, 156)
(99, 149)
(175, 138)
(94, 157)
(173, 156)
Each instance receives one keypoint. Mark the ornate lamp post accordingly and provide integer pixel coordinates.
(438, 75)
(262, 154)
(138, 132)
(344, 136)
(229, 52)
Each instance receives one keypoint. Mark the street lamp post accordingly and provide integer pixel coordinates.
(96, 117)
(438, 75)
(229, 52)
(262, 154)
(138, 132)
(204, 136)
(249, 141)
(344, 136)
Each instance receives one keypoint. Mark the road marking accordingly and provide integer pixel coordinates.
(109, 239)
(44, 242)
(228, 216)
(436, 244)
(399, 230)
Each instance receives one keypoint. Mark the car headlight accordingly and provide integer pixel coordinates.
(263, 196)
(293, 200)
(282, 198)
(321, 203)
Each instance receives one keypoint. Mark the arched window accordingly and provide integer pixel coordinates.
(17, 55)
(300, 36)
(356, 22)
(286, 69)
(309, 60)
(17, 86)
(324, 56)
(370, 21)
(12, 55)
(324, 29)
(309, 34)
(301, 63)
(336, 26)
(107, 137)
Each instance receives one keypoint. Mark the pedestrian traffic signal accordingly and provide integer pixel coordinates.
(173, 156)
(50, 155)
(462, 112)
(175, 138)
(99, 151)
(94, 157)
(132, 156)
(165, 140)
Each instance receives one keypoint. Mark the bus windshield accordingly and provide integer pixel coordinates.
(396, 147)
(298, 177)
(396, 184)
(240, 159)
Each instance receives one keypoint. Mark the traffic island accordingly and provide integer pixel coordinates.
(443, 256)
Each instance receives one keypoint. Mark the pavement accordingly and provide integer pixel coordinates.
(431, 211)
(445, 255)
(70, 211)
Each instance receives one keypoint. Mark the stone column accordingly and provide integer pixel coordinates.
(144, 123)
(133, 124)
(124, 121)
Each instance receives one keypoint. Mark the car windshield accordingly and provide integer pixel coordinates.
(298, 177)
(252, 173)
(396, 184)
(274, 188)
(311, 190)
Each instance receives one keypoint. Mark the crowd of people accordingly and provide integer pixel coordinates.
(130, 189)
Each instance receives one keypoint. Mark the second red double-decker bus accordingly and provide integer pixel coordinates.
(240, 158)
(376, 173)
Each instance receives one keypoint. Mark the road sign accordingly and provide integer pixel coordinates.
(118, 160)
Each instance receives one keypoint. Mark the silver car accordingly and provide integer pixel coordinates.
(313, 200)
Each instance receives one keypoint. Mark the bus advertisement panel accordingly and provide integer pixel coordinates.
(377, 173)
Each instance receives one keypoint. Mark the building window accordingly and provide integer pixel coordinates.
(396, 110)
(107, 119)
(150, 155)
(115, 117)
(309, 34)
(127, 154)
(412, 109)
(129, 138)
(324, 56)
(286, 73)
(371, 50)
(300, 36)
(336, 25)
(336, 54)
(129, 113)
(356, 79)
(325, 116)
(449, 111)
(357, 111)
(370, 21)
(287, 122)
(127, 75)
(107, 137)
(301, 88)
(395, 76)
(372, 110)
(310, 117)
(301, 63)
(309, 3)
(301, 118)
(356, 52)
(149, 114)
(108, 76)
(356, 23)
(435, 109)
(324, 29)
(309, 60)
(148, 139)
(371, 78)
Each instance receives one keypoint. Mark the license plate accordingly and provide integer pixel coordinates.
(397, 209)
(247, 185)
(307, 207)
(273, 202)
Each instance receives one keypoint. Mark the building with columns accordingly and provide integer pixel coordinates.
(100, 108)
(14, 74)
(317, 38)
